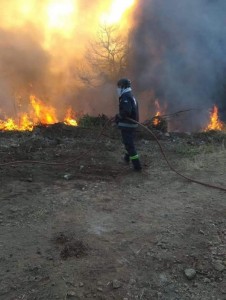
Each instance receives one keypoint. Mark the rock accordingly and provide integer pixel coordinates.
(116, 284)
(81, 284)
(163, 279)
(190, 273)
(195, 284)
(162, 245)
(71, 294)
(14, 209)
(145, 142)
(49, 257)
(67, 176)
(218, 266)
(99, 289)
(132, 281)
(167, 134)
(207, 280)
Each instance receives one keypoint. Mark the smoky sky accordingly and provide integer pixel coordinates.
(179, 51)
(23, 66)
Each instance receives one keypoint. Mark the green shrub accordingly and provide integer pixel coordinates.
(91, 121)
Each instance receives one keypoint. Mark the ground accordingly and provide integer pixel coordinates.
(94, 229)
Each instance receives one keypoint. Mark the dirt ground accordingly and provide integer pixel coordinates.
(94, 229)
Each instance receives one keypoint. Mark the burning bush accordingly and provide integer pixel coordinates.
(157, 123)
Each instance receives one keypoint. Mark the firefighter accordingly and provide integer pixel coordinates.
(128, 108)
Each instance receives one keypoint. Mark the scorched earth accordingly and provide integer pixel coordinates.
(94, 229)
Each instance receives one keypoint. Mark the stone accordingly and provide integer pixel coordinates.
(71, 294)
(49, 257)
(218, 266)
(132, 281)
(67, 176)
(195, 284)
(190, 273)
(116, 284)
(207, 280)
(145, 142)
(163, 279)
(14, 209)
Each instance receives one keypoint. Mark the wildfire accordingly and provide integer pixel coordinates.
(156, 120)
(41, 48)
(215, 123)
(43, 114)
(70, 118)
(40, 113)
(61, 16)
(116, 11)
(23, 123)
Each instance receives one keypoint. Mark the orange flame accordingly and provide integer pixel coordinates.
(43, 114)
(23, 123)
(70, 118)
(156, 121)
(61, 22)
(40, 113)
(215, 123)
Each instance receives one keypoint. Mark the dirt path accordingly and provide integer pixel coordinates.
(104, 232)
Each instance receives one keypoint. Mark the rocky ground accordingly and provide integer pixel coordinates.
(94, 229)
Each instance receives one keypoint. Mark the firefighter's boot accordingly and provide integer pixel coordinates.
(136, 163)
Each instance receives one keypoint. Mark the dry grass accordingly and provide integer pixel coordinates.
(207, 159)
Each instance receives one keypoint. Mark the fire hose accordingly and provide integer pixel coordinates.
(172, 168)
(97, 139)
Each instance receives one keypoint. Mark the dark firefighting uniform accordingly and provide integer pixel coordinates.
(128, 108)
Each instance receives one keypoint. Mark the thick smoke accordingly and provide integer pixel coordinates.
(23, 68)
(180, 55)
(42, 58)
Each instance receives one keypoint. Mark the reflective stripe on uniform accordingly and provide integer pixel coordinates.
(128, 125)
(134, 157)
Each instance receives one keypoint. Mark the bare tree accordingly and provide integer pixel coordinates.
(106, 57)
